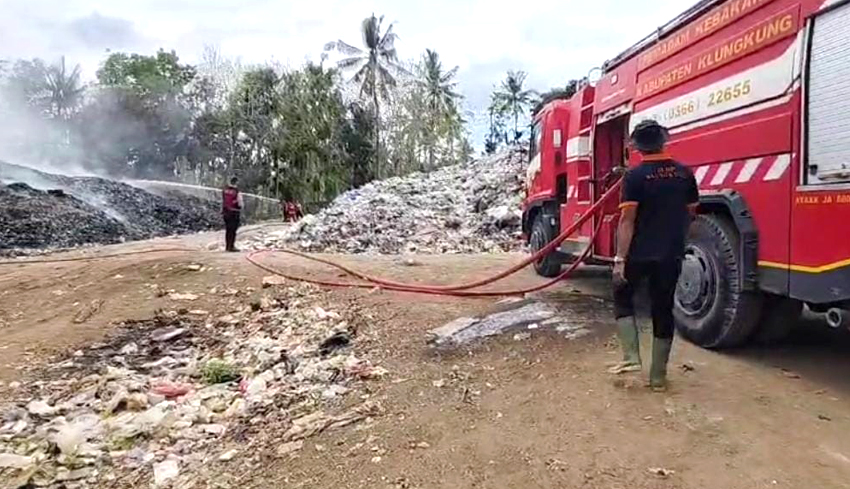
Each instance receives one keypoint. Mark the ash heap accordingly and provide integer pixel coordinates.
(41, 211)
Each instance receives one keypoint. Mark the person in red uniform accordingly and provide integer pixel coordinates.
(284, 210)
(293, 211)
(659, 201)
(231, 210)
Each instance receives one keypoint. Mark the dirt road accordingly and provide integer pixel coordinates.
(507, 412)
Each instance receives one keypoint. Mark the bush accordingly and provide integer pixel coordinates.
(218, 371)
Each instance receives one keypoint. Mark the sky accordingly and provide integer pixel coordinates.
(552, 40)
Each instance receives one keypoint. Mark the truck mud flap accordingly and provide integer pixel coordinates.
(733, 202)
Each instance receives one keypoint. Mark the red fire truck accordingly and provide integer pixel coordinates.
(756, 94)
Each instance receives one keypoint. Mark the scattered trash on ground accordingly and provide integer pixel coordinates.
(161, 397)
(88, 311)
(661, 472)
(522, 336)
(789, 374)
(182, 297)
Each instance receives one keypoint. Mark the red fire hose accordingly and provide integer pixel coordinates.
(372, 282)
(452, 290)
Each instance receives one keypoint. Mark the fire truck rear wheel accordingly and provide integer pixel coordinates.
(711, 308)
(542, 233)
(779, 316)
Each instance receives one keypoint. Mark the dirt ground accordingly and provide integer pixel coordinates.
(501, 413)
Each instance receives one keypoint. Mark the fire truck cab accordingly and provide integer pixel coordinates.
(756, 95)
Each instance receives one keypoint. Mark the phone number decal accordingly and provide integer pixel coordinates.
(705, 104)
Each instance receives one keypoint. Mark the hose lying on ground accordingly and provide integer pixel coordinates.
(463, 290)
(371, 282)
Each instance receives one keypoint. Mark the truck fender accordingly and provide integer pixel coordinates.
(533, 209)
(732, 204)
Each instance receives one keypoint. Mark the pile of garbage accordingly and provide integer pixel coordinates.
(467, 208)
(161, 398)
(41, 210)
(32, 219)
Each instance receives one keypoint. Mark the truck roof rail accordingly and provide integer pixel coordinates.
(698, 9)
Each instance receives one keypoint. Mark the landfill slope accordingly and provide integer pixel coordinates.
(41, 210)
(467, 208)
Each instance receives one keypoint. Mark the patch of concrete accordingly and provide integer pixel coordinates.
(523, 315)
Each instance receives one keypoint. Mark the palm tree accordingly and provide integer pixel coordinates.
(373, 65)
(456, 134)
(513, 98)
(498, 133)
(63, 88)
(438, 87)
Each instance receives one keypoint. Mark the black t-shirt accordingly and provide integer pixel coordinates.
(662, 191)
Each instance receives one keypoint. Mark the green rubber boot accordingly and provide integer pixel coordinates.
(627, 332)
(658, 371)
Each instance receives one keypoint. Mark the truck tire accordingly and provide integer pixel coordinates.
(542, 233)
(711, 308)
(779, 316)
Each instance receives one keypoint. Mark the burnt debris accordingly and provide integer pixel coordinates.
(54, 211)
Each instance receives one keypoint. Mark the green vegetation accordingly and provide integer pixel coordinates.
(218, 371)
(557, 93)
(305, 133)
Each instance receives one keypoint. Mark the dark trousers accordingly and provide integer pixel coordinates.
(231, 224)
(662, 276)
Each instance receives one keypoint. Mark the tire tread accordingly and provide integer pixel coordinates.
(739, 315)
(549, 266)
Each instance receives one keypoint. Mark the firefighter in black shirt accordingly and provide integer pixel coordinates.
(659, 199)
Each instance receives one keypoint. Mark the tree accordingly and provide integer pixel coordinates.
(65, 88)
(408, 131)
(439, 86)
(459, 147)
(214, 142)
(438, 90)
(425, 129)
(497, 133)
(220, 74)
(373, 66)
(557, 93)
(28, 132)
(140, 121)
(514, 99)
(41, 99)
(23, 87)
(304, 134)
(158, 76)
(50, 89)
(212, 148)
(357, 136)
(310, 147)
(253, 109)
